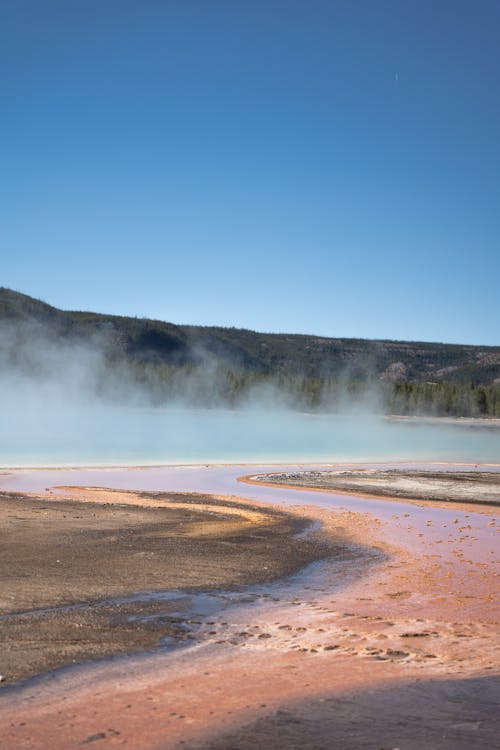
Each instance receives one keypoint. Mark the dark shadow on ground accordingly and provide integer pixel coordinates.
(421, 715)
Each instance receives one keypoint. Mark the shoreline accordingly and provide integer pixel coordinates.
(493, 422)
(341, 647)
(7, 470)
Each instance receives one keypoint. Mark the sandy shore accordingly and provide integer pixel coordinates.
(390, 646)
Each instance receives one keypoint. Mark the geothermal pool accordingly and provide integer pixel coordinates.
(99, 435)
(412, 612)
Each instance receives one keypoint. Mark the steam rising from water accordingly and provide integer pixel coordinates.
(60, 403)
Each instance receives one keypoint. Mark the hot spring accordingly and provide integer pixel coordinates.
(107, 435)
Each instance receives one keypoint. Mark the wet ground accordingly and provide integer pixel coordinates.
(392, 646)
(68, 568)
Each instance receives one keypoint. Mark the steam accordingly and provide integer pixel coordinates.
(42, 370)
(65, 399)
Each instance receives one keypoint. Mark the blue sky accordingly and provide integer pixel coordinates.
(317, 167)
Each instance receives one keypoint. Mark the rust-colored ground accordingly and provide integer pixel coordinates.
(397, 651)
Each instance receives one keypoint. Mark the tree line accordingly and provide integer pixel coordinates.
(219, 386)
(444, 399)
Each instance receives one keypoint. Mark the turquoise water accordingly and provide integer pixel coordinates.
(107, 435)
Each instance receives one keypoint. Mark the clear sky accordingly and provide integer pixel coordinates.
(317, 166)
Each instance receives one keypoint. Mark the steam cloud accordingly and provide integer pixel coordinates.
(43, 370)
(66, 400)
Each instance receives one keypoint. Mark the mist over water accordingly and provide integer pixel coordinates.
(60, 406)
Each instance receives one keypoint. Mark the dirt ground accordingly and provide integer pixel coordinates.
(58, 553)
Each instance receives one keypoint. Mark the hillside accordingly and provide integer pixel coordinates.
(158, 362)
(159, 342)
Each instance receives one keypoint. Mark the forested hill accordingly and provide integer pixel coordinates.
(153, 345)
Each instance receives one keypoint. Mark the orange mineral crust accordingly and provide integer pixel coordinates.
(388, 643)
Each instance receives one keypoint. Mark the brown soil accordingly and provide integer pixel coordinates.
(57, 553)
